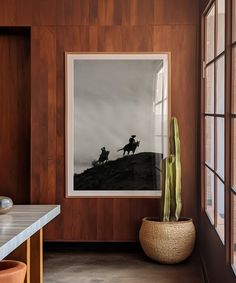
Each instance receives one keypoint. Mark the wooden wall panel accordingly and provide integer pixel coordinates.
(43, 115)
(126, 12)
(102, 26)
(15, 116)
(105, 214)
(101, 12)
(138, 39)
(105, 12)
(125, 38)
(113, 12)
(15, 13)
(44, 12)
(72, 12)
(142, 12)
(185, 12)
(28, 12)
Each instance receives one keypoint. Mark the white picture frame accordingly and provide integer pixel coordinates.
(75, 65)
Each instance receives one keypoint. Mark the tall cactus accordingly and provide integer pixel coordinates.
(171, 177)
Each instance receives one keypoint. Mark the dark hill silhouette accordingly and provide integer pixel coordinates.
(132, 172)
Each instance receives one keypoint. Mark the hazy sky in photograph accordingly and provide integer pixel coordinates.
(112, 101)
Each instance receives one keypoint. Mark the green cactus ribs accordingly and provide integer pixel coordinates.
(171, 177)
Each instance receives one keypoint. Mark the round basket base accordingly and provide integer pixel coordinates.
(167, 242)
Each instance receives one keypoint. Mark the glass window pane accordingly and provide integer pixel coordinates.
(234, 21)
(220, 85)
(220, 209)
(209, 91)
(234, 228)
(220, 146)
(209, 190)
(234, 79)
(210, 34)
(234, 153)
(209, 141)
(220, 26)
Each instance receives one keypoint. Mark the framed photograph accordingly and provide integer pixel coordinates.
(117, 117)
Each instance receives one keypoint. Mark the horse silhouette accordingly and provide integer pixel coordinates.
(130, 147)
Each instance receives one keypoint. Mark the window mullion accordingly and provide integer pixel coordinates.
(215, 127)
(228, 141)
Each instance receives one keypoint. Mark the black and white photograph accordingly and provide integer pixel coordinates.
(117, 123)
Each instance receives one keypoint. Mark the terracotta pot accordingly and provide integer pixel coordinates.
(12, 271)
(167, 242)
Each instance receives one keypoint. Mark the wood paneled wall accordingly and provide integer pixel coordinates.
(15, 115)
(103, 26)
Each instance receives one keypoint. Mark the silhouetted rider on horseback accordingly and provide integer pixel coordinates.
(104, 155)
(103, 149)
(132, 139)
(131, 146)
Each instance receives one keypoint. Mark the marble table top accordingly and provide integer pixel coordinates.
(21, 223)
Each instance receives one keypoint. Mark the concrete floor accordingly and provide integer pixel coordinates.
(90, 267)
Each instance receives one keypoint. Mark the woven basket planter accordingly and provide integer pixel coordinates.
(167, 242)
